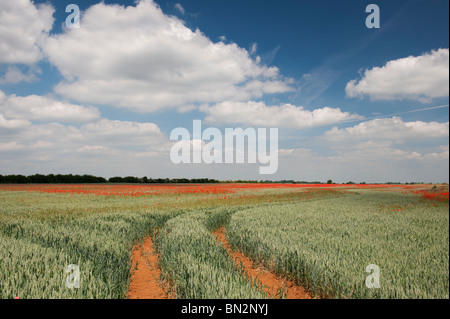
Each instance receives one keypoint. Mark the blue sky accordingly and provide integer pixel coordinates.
(103, 99)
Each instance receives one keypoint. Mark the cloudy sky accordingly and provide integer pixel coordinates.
(350, 103)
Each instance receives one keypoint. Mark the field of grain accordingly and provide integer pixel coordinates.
(319, 237)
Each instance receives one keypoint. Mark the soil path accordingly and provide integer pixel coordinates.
(145, 282)
(271, 282)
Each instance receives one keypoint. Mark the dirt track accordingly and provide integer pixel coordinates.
(145, 282)
(271, 282)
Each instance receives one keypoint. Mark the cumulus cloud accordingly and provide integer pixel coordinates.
(145, 60)
(12, 124)
(105, 148)
(378, 150)
(100, 136)
(415, 78)
(371, 152)
(23, 27)
(15, 75)
(115, 133)
(286, 115)
(10, 146)
(45, 109)
(353, 154)
(443, 155)
(390, 129)
(102, 147)
(367, 161)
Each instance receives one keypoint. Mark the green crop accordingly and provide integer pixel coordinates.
(37, 244)
(320, 238)
(326, 244)
(196, 265)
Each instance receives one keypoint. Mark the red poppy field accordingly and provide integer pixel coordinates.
(223, 240)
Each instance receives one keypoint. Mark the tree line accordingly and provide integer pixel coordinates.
(90, 179)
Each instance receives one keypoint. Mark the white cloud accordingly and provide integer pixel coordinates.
(137, 57)
(93, 149)
(98, 137)
(372, 152)
(390, 129)
(437, 156)
(443, 148)
(416, 78)
(15, 75)
(105, 148)
(45, 109)
(380, 152)
(180, 8)
(285, 115)
(122, 133)
(10, 146)
(12, 124)
(111, 148)
(41, 145)
(23, 26)
(253, 48)
(366, 161)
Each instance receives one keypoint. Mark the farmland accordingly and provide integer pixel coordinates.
(320, 237)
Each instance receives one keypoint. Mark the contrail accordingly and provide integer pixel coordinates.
(393, 114)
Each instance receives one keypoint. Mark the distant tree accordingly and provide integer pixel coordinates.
(329, 181)
(116, 179)
(37, 179)
(131, 179)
